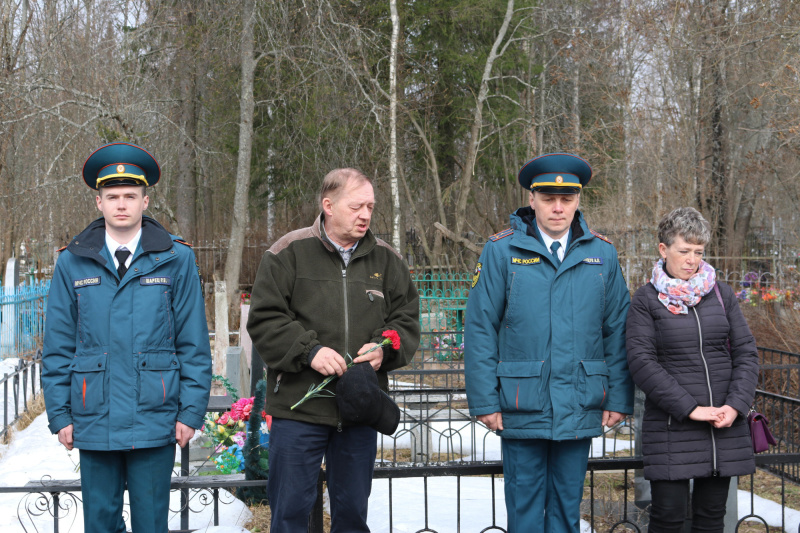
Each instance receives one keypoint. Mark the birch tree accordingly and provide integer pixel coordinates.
(240, 213)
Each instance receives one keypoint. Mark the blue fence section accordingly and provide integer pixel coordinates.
(22, 312)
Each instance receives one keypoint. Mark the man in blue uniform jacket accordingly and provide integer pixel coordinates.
(545, 345)
(127, 363)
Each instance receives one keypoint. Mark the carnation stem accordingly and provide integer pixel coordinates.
(316, 392)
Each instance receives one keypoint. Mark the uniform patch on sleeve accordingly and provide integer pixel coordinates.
(476, 275)
(85, 282)
(502, 234)
(593, 261)
(155, 280)
(601, 236)
(528, 261)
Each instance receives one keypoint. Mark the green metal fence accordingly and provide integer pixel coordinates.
(442, 304)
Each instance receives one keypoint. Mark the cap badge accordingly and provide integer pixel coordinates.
(120, 169)
(559, 179)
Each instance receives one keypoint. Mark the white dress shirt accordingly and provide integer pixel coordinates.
(113, 246)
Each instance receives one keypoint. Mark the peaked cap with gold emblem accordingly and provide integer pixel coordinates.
(555, 174)
(120, 164)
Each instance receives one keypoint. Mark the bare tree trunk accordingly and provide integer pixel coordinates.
(14, 27)
(433, 167)
(719, 204)
(465, 186)
(186, 178)
(576, 107)
(627, 114)
(418, 222)
(240, 218)
(393, 127)
(540, 133)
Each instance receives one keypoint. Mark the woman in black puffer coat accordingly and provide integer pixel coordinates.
(691, 352)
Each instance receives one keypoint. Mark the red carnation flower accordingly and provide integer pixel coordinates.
(392, 336)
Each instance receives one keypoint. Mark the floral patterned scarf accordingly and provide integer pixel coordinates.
(679, 295)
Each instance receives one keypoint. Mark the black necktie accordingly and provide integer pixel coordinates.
(122, 255)
(554, 250)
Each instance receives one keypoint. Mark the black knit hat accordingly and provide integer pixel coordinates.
(361, 401)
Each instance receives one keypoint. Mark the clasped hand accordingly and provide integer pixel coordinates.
(719, 417)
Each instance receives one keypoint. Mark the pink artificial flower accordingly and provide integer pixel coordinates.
(223, 419)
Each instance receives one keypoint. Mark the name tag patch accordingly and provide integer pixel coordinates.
(155, 280)
(593, 261)
(529, 261)
(78, 283)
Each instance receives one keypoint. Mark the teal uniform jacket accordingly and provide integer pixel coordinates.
(545, 346)
(124, 360)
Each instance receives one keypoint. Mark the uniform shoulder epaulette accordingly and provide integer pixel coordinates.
(182, 242)
(62, 248)
(502, 234)
(601, 236)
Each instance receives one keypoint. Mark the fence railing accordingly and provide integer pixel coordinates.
(22, 311)
(19, 387)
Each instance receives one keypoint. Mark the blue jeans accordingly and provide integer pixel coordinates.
(147, 473)
(296, 450)
(544, 484)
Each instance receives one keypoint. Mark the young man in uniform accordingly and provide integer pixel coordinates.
(127, 363)
(545, 345)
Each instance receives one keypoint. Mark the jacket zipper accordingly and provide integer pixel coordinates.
(346, 330)
(714, 471)
(346, 314)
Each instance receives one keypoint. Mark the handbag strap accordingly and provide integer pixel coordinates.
(719, 297)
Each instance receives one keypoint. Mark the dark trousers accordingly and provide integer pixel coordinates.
(296, 450)
(544, 484)
(147, 472)
(670, 502)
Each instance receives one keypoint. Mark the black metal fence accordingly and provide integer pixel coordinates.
(441, 454)
(18, 388)
(779, 372)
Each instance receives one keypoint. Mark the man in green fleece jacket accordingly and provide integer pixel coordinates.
(323, 293)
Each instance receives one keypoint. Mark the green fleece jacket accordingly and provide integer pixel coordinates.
(305, 297)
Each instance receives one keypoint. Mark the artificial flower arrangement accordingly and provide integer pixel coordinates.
(755, 295)
(390, 336)
(228, 434)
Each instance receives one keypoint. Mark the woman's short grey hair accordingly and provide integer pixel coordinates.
(686, 222)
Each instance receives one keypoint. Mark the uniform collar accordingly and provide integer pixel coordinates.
(523, 221)
(548, 241)
(92, 240)
(131, 245)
